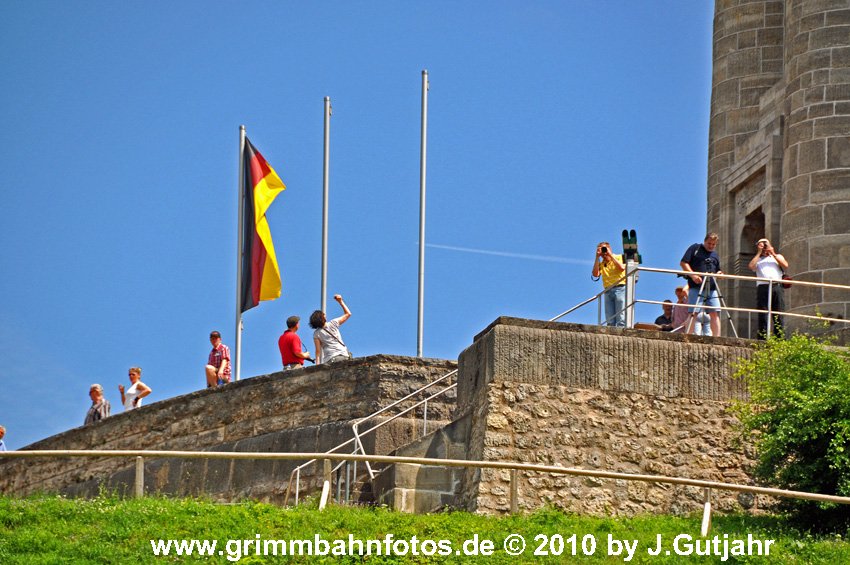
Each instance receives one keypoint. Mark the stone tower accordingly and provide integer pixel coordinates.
(779, 146)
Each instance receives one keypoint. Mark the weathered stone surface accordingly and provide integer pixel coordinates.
(812, 156)
(599, 398)
(803, 223)
(804, 69)
(307, 410)
(836, 218)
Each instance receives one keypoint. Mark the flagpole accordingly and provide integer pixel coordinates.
(422, 155)
(328, 111)
(237, 358)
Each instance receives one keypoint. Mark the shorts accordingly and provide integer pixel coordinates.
(710, 299)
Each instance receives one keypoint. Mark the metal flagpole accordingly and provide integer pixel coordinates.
(328, 111)
(422, 155)
(237, 361)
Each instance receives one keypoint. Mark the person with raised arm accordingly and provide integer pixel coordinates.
(329, 345)
(132, 397)
(768, 264)
(609, 266)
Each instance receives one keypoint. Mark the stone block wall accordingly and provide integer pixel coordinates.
(778, 155)
(306, 410)
(816, 203)
(606, 399)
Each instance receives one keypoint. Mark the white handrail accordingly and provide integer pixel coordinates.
(769, 312)
(156, 454)
(591, 299)
(753, 311)
(400, 400)
(405, 411)
(358, 445)
(358, 435)
(741, 277)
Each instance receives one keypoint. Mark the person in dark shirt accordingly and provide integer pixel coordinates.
(701, 258)
(666, 319)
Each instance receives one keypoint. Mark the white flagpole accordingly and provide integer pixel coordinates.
(237, 358)
(422, 155)
(328, 111)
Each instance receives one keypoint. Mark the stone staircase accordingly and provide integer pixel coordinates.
(420, 488)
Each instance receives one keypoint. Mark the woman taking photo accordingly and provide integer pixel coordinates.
(768, 264)
(329, 345)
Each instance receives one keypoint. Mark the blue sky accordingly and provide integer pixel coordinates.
(552, 126)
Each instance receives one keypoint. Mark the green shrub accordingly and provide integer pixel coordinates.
(798, 416)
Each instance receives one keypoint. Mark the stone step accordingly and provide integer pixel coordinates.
(425, 488)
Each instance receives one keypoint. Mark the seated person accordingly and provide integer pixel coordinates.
(680, 310)
(666, 319)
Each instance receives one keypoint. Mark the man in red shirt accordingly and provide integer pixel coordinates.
(290, 345)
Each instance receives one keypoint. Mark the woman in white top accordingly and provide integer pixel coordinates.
(768, 264)
(132, 397)
(328, 340)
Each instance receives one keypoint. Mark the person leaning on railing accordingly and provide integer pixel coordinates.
(768, 264)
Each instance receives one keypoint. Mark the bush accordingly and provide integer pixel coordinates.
(798, 416)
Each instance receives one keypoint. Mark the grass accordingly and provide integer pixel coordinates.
(53, 529)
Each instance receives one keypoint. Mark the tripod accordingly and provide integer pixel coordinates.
(704, 297)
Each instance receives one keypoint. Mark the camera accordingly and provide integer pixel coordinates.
(604, 250)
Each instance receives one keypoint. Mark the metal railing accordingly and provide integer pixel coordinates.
(596, 296)
(630, 276)
(633, 270)
(514, 467)
(350, 472)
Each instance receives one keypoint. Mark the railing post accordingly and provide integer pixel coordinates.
(769, 309)
(297, 484)
(425, 418)
(347, 482)
(326, 483)
(631, 275)
(359, 444)
(706, 514)
(339, 486)
(514, 491)
(140, 477)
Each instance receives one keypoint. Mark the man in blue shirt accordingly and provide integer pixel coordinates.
(2, 435)
(701, 258)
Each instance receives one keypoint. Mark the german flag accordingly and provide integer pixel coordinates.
(260, 273)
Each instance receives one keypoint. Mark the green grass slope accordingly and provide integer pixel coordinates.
(53, 529)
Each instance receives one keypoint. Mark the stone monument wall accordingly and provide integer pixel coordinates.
(779, 156)
(600, 398)
(303, 410)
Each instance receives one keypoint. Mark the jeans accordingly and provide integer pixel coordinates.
(615, 301)
(702, 324)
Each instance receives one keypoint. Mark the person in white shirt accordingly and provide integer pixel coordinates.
(329, 345)
(768, 264)
(132, 397)
(2, 435)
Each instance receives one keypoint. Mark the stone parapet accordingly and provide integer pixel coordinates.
(600, 398)
(306, 410)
